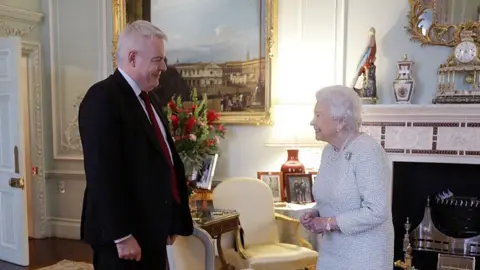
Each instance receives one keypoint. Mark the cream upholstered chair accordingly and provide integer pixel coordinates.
(192, 252)
(261, 248)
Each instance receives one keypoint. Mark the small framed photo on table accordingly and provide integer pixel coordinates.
(204, 176)
(314, 176)
(299, 188)
(275, 182)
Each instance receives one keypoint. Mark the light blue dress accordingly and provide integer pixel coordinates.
(355, 187)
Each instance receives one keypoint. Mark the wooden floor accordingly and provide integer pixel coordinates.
(45, 252)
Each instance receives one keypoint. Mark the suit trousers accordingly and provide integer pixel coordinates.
(105, 257)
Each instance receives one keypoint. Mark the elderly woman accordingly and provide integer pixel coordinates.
(352, 190)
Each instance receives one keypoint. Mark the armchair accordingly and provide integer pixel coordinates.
(260, 247)
(192, 252)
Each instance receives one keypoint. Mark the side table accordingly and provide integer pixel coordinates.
(216, 223)
(296, 211)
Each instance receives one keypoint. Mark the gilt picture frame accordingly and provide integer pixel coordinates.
(299, 188)
(241, 89)
(314, 177)
(275, 181)
(425, 28)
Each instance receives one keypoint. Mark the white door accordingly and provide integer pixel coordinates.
(13, 199)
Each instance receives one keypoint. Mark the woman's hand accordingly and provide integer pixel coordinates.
(320, 224)
(307, 218)
(317, 225)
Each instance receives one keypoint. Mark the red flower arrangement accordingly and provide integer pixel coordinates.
(194, 131)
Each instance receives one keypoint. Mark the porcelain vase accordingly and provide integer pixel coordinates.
(293, 164)
(404, 85)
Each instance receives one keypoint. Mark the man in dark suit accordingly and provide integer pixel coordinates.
(136, 200)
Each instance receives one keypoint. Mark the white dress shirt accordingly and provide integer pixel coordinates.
(138, 91)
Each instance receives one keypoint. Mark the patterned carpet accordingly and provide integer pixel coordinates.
(71, 265)
(68, 265)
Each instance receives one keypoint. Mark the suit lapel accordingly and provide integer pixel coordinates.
(134, 104)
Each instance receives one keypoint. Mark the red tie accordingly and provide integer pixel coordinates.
(161, 140)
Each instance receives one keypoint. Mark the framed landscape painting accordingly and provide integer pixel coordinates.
(223, 48)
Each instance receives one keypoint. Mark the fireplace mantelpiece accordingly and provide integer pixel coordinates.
(429, 146)
(438, 130)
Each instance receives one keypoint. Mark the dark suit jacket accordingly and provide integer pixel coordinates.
(128, 177)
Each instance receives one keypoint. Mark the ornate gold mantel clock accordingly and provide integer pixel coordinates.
(458, 77)
(453, 24)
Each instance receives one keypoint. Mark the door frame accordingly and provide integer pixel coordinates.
(32, 51)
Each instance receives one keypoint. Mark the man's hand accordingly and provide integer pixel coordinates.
(171, 239)
(129, 249)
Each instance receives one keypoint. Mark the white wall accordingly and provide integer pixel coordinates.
(320, 43)
(21, 26)
(77, 45)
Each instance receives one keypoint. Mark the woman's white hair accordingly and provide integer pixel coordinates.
(133, 36)
(345, 105)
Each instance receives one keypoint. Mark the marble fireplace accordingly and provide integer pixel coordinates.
(434, 149)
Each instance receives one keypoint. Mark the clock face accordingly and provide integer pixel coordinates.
(466, 52)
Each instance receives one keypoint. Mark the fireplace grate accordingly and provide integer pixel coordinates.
(427, 237)
(452, 262)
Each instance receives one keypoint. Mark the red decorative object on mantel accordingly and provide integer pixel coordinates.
(293, 164)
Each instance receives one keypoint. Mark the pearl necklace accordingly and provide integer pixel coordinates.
(336, 154)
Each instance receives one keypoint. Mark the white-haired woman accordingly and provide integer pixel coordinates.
(352, 190)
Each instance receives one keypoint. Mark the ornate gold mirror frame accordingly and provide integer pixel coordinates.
(125, 11)
(424, 27)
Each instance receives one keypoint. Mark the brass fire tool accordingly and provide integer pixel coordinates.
(407, 248)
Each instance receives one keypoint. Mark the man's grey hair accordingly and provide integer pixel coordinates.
(133, 36)
(345, 105)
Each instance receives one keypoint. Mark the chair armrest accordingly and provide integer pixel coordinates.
(239, 244)
(207, 241)
(296, 226)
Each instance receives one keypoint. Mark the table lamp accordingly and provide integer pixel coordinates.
(292, 131)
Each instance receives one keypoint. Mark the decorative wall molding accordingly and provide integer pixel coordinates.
(340, 40)
(20, 14)
(303, 40)
(71, 77)
(414, 111)
(12, 31)
(32, 51)
(434, 130)
(71, 138)
(12, 16)
(67, 228)
(65, 176)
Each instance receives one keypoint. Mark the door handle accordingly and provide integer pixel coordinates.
(17, 183)
(15, 159)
